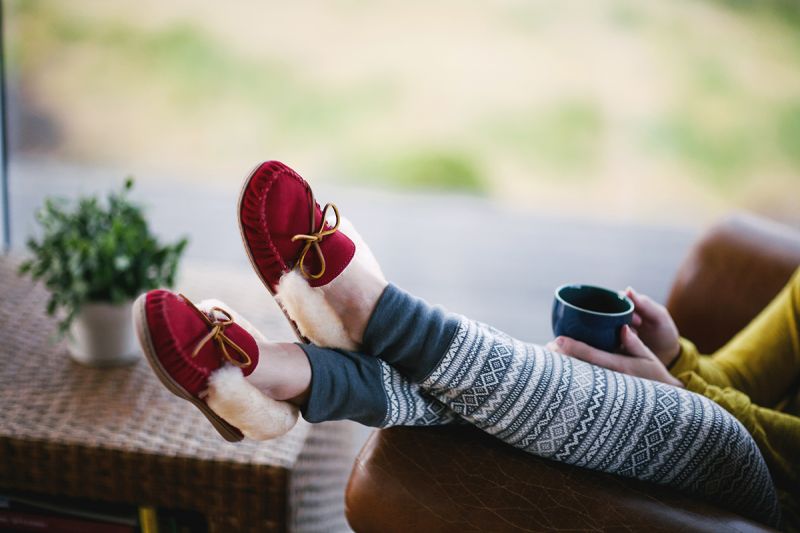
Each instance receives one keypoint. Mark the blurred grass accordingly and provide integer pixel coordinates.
(709, 131)
(788, 132)
(429, 168)
(715, 120)
(198, 71)
(786, 11)
(720, 155)
(565, 136)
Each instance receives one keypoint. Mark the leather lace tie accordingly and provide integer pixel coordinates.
(315, 237)
(217, 334)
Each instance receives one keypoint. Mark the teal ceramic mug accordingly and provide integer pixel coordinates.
(591, 314)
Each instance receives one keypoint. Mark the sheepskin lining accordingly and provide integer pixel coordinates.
(242, 405)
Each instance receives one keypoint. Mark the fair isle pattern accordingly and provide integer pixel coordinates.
(566, 410)
(407, 405)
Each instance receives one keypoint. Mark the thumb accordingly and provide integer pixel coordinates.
(632, 344)
(645, 306)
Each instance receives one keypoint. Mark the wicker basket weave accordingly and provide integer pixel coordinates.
(118, 435)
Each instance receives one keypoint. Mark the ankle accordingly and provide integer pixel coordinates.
(354, 296)
(283, 372)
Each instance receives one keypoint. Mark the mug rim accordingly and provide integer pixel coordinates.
(624, 297)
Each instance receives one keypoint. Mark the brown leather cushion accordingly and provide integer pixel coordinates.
(730, 275)
(461, 479)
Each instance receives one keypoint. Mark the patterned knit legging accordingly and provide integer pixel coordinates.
(435, 367)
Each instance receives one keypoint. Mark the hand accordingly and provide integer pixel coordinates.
(640, 361)
(654, 325)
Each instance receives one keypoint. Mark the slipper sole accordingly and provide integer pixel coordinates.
(242, 193)
(229, 433)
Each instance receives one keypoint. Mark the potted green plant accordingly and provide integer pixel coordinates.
(95, 257)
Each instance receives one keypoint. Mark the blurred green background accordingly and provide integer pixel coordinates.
(644, 110)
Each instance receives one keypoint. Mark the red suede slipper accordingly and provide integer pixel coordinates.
(283, 228)
(184, 346)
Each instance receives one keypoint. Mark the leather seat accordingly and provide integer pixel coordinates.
(460, 479)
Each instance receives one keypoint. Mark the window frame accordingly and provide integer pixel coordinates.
(5, 208)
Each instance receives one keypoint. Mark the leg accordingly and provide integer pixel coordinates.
(337, 384)
(569, 411)
(540, 402)
(354, 386)
(763, 360)
(553, 406)
(213, 358)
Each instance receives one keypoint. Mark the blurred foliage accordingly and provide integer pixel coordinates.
(689, 98)
(566, 136)
(440, 169)
(784, 10)
(788, 134)
(197, 70)
(95, 252)
(720, 155)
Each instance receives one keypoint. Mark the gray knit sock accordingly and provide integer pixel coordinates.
(353, 386)
(567, 410)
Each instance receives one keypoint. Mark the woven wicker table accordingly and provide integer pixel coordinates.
(117, 435)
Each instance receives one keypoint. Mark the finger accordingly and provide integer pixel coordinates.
(645, 306)
(629, 292)
(637, 320)
(632, 344)
(584, 352)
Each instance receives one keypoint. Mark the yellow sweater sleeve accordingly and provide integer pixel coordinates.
(690, 360)
(762, 360)
(777, 434)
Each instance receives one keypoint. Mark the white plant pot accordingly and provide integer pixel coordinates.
(102, 335)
